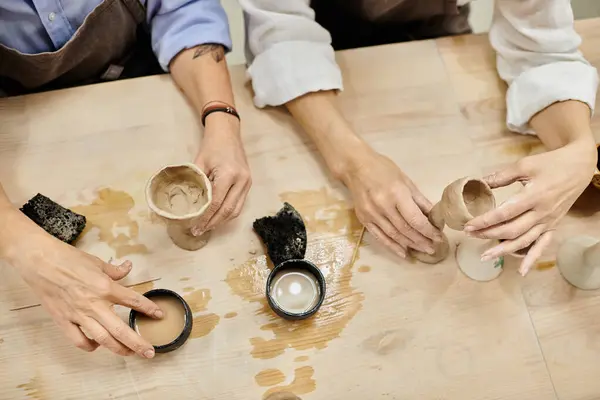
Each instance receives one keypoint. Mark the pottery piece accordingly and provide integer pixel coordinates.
(468, 257)
(462, 200)
(578, 261)
(180, 194)
(596, 177)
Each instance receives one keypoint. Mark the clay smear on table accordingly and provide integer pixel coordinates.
(269, 377)
(230, 315)
(33, 389)
(364, 268)
(545, 265)
(303, 383)
(331, 253)
(301, 359)
(109, 212)
(205, 323)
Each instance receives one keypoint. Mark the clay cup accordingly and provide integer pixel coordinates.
(179, 195)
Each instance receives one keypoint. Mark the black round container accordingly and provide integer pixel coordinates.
(187, 328)
(303, 265)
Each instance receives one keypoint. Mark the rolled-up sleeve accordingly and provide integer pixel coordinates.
(538, 56)
(289, 53)
(176, 25)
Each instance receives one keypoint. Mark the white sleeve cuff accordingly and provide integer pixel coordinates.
(288, 70)
(540, 87)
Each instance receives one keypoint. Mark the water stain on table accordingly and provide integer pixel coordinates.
(283, 396)
(544, 265)
(188, 289)
(301, 359)
(332, 254)
(364, 268)
(143, 288)
(33, 389)
(230, 315)
(269, 377)
(205, 323)
(185, 279)
(323, 212)
(109, 212)
(524, 149)
(303, 383)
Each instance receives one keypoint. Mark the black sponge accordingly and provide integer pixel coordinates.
(58, 221)
(284, 235)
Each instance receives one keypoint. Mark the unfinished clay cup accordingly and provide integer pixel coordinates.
(464, 200)
(578, 261)
(180, 194)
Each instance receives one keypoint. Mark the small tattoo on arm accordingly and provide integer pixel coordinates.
(216, 50)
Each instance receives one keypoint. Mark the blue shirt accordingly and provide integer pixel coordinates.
(37, 26)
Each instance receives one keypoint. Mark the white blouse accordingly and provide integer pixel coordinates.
(289, 55)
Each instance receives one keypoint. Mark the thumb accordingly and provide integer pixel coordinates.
(504, 177)
(116, 272)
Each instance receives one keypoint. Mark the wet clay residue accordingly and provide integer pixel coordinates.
(33, 389)
(303, 383)
(386, 342)
(110, 214)
(185, 279)
(323, 212)
(301, 359)
(364, 268)
(206, 323)
(143, 288)
(179, 190)
(544, 265)
(230, 315)
(269, 377)
(283, 396)
(332, 254)
(188, 289)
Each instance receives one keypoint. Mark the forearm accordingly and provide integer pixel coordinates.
(202, 75)
(324, 124)
(565, 123)
(12, 225)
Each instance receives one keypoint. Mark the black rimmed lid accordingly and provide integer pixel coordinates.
(187, 328)
(306, 268)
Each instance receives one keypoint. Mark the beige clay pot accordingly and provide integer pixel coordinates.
(463, 200)
(180, 194)
(578, 261)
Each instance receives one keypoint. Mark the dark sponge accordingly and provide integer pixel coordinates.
(58, 221)
(284, 235)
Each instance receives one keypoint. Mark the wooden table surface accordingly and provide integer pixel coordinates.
(388, 329)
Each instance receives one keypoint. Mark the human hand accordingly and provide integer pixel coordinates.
(223, 160)
(78, 290)
(552, 182)
(389, 204)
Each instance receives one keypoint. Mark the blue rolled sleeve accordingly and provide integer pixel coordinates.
(178, 25)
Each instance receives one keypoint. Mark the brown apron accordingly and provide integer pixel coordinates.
(360, 23)
(112, 43)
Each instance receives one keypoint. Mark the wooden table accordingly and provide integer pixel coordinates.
(389, 329)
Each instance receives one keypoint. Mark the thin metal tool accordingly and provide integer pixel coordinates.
(127, 286)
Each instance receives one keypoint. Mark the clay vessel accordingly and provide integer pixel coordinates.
(468, 257)
(180, 194)
(578, 261)
(596, 177)
(462, 200)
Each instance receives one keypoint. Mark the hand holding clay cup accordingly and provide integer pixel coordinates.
(180, 194)
(461, 201)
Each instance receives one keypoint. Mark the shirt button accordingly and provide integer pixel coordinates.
(51, 16)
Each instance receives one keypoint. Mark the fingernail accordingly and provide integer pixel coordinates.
(197, 232)
(486, 257)
(430, 250)
(401, 255)
(159, 314)
(149, 353)
(469, 228)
